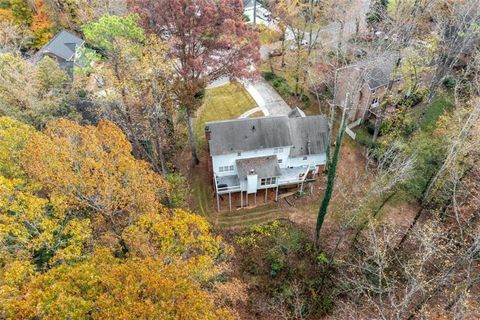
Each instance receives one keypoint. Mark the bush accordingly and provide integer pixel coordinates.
(284, 266)
(363, 135)
(449, 83)
(178, 194)
(412, 100)
(282, 87)
(269, 76)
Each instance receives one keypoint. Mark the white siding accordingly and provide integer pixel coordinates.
(313, 159)
(229, 159)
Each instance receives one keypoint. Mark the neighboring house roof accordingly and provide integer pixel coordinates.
(296, 113)
(63, 45)
(375, 71)
(377, 77)
(264, 167)
(306, 135)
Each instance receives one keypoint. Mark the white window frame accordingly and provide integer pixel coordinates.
(268, 181)
(278, 150)
(226, 168)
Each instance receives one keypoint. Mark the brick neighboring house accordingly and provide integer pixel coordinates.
(367, 83)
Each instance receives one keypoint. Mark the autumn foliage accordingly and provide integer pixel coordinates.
(84, 233)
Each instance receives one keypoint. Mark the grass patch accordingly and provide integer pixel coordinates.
(221, 103)
(433, 112)
(257, 114)
(202, 194)
(362, 136)
(267, 35)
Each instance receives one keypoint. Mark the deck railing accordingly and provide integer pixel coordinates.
(228, 188)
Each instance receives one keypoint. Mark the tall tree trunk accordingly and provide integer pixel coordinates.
(383, 108)
(284, 35)
(254, 12)
(158, 147)
(191, 137)
(332, 168)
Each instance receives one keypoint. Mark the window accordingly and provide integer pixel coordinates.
(277, 150)
(305, 158)
(268, 181)
(374, 101)
(239, 154)
(225, 168)
(280, 160)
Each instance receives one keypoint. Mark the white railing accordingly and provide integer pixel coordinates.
(228, 188)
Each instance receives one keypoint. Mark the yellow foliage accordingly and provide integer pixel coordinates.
(104, 287)
(91, 168)
(84, 235)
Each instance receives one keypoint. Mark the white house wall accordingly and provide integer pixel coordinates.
(313, 159)
(229, 159)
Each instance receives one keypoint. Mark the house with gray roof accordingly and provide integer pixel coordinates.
(267, 153)
(63, 48)
(366, 84)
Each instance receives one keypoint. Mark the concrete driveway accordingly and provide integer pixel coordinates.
(267, 99)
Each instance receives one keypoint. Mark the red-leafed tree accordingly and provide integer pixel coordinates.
(208, 40)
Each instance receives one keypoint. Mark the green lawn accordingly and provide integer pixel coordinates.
(257, 114)
(433, 111)
(221, 103)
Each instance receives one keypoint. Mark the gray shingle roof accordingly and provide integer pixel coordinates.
(63, 45)
(264, 167)
(379, 70)
(306, 135)
(309, 135)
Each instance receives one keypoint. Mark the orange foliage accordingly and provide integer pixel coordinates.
(41, 25)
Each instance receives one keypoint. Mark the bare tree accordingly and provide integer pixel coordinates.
(457, 25)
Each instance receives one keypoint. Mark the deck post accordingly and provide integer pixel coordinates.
(255, 198)
(301, 188)
(246, 198)
(276, 194)
(230, 201)
(266, 194)
(218, 202)
(241, 199)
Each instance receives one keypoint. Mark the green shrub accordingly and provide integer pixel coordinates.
(269, 76)
(409, 125)
(179, 192)
(433, 112)
(282, 87)
(449, 83)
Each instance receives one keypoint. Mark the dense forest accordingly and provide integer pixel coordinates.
(107, 206)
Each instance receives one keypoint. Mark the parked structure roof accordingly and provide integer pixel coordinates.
(306, 135)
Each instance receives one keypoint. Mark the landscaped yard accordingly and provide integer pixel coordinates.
(221, 103)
